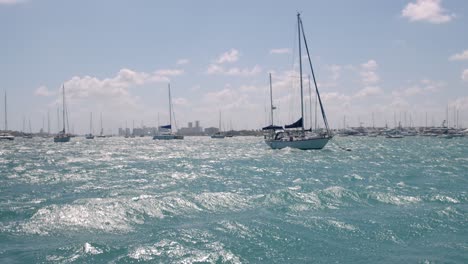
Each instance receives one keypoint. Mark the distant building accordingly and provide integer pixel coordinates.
(190, 130)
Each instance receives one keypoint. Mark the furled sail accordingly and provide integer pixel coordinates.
(296, 124)
(272, 127)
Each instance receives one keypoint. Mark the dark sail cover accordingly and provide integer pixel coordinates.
(272, 127)
(296, 124)
(166, 127)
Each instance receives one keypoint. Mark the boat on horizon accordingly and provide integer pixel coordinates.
(101, 134)
(5, 135)
(165, 132)
(219, 134)
(90, 135)
(295, 135)
(62, 136)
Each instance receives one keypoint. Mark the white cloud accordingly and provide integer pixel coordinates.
(169, 72)
(228, 56)
(370, 65)
(427, 10)
(280, 51)
(424, 86)
(336, 70)
(183, 61)
(234, 71)
(369, 91)
(368, 73)
(43, 91)
(459, 56)
(465, 75)
(115, 87)
(460, 103)
(214, 69)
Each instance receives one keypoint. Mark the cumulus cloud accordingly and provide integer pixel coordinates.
(428, 11)
(459, 56)
(228, 56)
(280, 51)
(460, 103)
(368, 72)
(43, 91)
(369, 91)
(424, 86)
(335, 70)
(117, 87)
(465, 75)
(168, 72)
(234, 71)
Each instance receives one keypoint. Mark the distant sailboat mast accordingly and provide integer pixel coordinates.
(48, 122)
(6, 120)
(271, 103)
(91, 123)
(58, 120)
(170, 107)
(63, 110)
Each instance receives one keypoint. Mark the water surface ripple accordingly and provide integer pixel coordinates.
(119, 200)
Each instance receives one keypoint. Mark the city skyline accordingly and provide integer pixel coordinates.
(381, 59)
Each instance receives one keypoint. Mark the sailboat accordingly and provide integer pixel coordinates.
(165, 132)
(62, 136)
(295, 135)
(101, 134)
(5, 135)
(219, 134)
(90, 135)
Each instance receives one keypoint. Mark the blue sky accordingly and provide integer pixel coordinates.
(391, 58)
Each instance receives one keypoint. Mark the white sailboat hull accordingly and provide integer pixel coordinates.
(218, 136)
(6, 137)
(304, 144)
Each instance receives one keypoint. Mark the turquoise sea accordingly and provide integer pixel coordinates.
(201, 200)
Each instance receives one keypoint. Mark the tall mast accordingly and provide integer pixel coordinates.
(91, 123)
(58, 120)
(219, 121)
(426, 119)
(6, 122)
(170, 105)
(63, 110)
(48, 122)
(271, 102)
(310, 102)
(313, 76)
(102, 129)
(373, 122)
(300, 68)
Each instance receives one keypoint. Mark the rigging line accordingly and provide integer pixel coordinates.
(315, 82)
